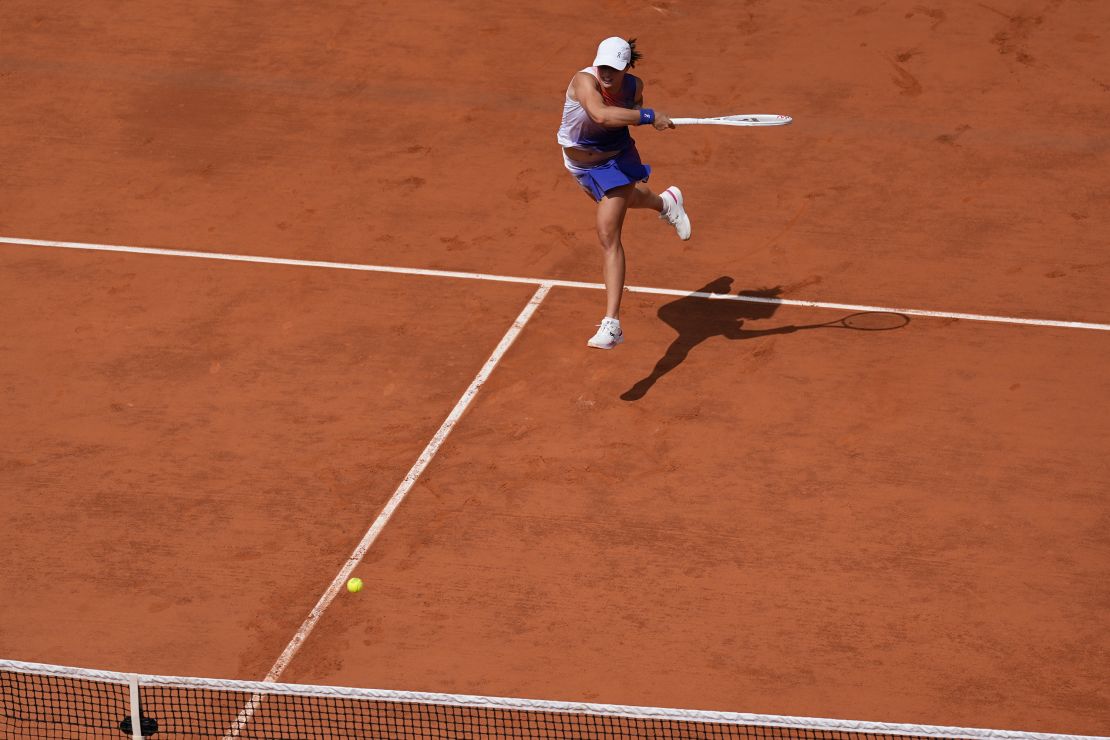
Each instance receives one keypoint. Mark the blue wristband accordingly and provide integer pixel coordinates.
(647, 115)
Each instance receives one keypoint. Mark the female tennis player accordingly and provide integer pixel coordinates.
(602, 101)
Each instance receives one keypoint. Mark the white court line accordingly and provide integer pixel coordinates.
(406, 485)
(551, 283)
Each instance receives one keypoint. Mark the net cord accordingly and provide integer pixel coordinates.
(260, 688)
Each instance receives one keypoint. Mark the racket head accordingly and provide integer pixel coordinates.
(742, 119)
(874, 321)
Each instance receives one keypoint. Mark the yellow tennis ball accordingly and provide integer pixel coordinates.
(354, 585)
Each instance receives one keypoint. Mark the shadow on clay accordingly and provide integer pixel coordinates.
(698, 317)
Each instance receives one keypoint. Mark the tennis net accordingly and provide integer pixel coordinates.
(46, 701)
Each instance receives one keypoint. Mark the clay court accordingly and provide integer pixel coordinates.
(292, 292)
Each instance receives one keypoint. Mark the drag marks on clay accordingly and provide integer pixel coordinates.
(905, 81)
(868, 10)
(951, 139)
(935, 14)
(1019, 29)
(453, 243)
(521, 191)
(903, 78)
(407, 185)
(1080, 268)
(908, 54)
(564, 236)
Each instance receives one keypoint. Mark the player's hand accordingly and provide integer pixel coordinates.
(662, 121)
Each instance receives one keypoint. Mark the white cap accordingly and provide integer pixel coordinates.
(613, 52)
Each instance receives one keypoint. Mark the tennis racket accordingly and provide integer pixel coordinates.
(746, 119)
(864, 321)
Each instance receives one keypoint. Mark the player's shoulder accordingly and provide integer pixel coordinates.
(583, 79)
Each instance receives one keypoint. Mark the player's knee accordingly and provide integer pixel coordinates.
(609, 237)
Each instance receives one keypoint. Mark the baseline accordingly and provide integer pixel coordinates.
(550, 283)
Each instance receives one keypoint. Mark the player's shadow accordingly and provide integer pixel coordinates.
(697, 318)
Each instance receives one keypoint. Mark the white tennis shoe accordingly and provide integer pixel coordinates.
(608, 335)
(674, 212)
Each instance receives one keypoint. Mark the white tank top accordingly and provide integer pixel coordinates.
(578, 130)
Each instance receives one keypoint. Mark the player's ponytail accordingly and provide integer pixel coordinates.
(636, 56)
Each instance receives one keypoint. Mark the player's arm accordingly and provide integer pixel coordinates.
(611, 116)
(662, 120)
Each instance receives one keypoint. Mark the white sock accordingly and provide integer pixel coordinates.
(615, 321)
(668, 203)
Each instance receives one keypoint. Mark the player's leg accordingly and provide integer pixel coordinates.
(642, 197)
(610, 222)
(611, 210)
(669, 205)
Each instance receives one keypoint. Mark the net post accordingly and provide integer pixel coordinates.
(136, 707)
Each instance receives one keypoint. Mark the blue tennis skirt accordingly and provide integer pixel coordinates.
(623, 169)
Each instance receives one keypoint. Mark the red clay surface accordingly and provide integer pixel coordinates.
(192, 449)
(907, 526)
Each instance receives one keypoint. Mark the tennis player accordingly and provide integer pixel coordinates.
(602, 101)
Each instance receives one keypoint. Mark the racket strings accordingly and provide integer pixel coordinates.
(875, 321)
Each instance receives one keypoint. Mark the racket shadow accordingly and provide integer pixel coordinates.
(697, 317)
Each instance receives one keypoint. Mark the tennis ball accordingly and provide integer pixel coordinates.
(354, 585)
